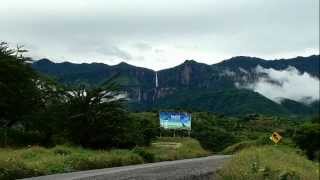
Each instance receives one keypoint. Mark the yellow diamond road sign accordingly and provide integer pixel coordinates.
(275, 137)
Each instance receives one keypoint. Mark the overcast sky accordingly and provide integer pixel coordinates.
(161, 33)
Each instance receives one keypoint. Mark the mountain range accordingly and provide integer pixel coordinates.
(192, 85)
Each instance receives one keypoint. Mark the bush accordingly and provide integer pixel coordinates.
(147, 156)
(35, 161)
(238, 147)
(15, 169)
(269, 162)
(61, 150)
(213, 132)
(307, 138)
(168, 149)
(16, 137)
(146, 127)
(212, 138)
(261, 141)
(102, 159)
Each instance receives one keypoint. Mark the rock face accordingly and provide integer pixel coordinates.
(146, 87)
(186, 74)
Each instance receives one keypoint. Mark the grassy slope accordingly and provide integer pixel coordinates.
(36, 161)
(269, 162)
(165, 149)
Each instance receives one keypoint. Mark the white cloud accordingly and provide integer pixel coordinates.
(288, 83)
(227, 72)
(207, 30)
(243, 70)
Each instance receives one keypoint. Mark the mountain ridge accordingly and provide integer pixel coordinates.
(188, 78)
(232, 59)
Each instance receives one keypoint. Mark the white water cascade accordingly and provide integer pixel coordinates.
(157, 82)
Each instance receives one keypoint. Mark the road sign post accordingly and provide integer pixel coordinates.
(275, 137)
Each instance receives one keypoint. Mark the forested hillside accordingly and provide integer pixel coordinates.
(191, 85)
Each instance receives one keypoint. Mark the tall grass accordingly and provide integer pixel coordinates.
(269, 162)
(36, 161)
(168, 149)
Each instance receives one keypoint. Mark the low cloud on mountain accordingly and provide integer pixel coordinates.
(289, 84)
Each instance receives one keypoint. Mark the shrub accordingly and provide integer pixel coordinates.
(215, 139)
(14, 169)
(165, 149)
(16, 137)
(147, 156)
(60, 150)
(146, 126)
(269, 162)
(238, 147)
(35, 161)
(103, 159)
(213, 132)
(261, 141)
(307, 138)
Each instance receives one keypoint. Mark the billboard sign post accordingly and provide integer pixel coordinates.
(175, 120)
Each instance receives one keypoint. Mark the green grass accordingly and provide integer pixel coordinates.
(168, 149)
(261, 141)
(269, 162)
(36, 161)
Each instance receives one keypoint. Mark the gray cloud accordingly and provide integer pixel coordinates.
(218, 29)
(143, 46)
(114, 51)
(288, 83)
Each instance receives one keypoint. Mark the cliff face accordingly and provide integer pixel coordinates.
(190, 77)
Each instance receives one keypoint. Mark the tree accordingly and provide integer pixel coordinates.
(97, 118)
(48, 120)
(18, 91)
(146, 126)
(211, 135)
(307, 138)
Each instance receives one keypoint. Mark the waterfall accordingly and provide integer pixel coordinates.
(157, 83)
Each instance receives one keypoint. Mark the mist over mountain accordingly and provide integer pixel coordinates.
(237, 85)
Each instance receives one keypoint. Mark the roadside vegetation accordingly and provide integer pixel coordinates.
(269, 162)
(36, 161)
(38, 116)
(168, 149)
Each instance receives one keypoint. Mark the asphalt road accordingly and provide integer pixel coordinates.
(198, 168)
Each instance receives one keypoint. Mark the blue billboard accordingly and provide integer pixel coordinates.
(175, 120)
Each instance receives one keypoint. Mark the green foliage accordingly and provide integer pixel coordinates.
(16, 137)
(19, 95)
(210, 135)
(35, 161)
(191, 85)
(147, 156)
(100, 117)
(214, 138)
(227, 101)
(169, 149)
(26, 100)
(307, 138)
(261, 141)
(146, 126)
(12, 169)
(100, 160)
(30, 104)
(269, 162)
